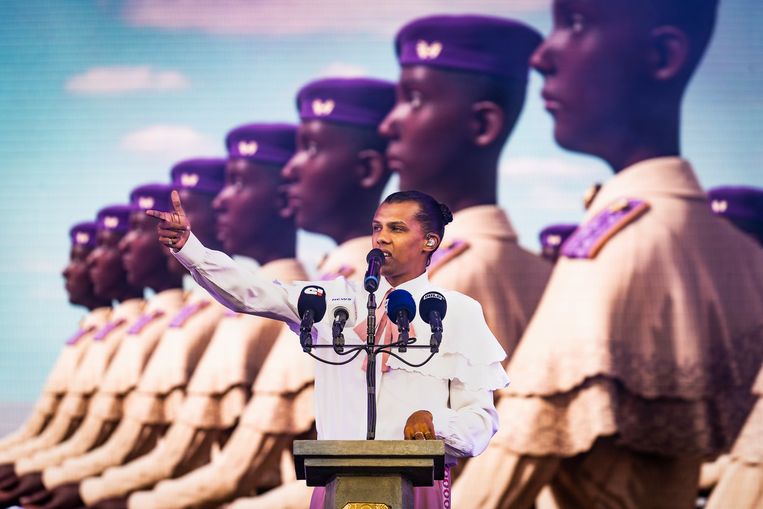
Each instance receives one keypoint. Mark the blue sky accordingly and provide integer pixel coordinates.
(97, 97)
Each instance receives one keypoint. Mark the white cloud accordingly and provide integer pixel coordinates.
(294, 17)
(169, 140)
(538, 167)
(117, 80)
(343, 70)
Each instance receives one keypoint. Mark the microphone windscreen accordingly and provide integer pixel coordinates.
(312, 297)
(432, 301)
(400, 299)
(376, 254)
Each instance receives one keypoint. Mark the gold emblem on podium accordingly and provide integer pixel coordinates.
(365, 505)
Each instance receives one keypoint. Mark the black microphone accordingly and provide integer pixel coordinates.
(375, 261)
(401, 309)
(432, 308)
(311, 306)
(341, 315)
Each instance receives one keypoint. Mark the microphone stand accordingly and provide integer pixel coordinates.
(372, 350)
(371, 367)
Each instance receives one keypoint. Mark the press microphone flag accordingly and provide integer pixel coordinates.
(311, 307)
(401, 309)
(432, 308)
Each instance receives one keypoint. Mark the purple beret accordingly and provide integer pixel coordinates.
(357, 101)
(206, 175)
(265, 143)
(482, 44)
(114, 218)
(552, 237)
(83, 234)
(152, 196)
(741, 205)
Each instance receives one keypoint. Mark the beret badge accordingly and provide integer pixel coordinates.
(145, 202)
(323, 108)
(247, 148)
(189, 179)
(428, 51)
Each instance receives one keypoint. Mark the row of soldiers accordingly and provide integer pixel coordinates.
(632, 362)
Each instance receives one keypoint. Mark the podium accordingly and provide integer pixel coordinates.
(379, 474)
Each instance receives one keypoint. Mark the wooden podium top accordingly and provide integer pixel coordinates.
(319, 461)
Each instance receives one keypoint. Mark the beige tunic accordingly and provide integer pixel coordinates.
(120, 378)
(216, 395)
(653, 342)
(347, 260)
(59, 379)
(86, 380)
(741, 483)
(160, 389)
(481, 258)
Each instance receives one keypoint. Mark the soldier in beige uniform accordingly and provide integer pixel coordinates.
(639, 359)
(327, 194)
(460, 93)
(79, 286)
(110, 282)
(154, 403)
(145, 262)
(249, 225)
(737, 478)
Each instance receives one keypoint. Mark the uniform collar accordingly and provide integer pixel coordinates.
(164, 300)
(97, 317)
(661, 176)
(480, 220)
(128, 308)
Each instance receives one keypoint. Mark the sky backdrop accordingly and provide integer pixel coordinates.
(97, 97)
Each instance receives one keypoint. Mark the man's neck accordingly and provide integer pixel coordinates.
(395, 281)
(656, 136)
(470, 183)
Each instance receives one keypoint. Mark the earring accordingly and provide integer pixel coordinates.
(430, 242)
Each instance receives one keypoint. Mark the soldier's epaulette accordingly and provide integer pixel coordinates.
(446, 253)
(344, 271)
(187, 312)
(144, 319)
(79, 334)
(592, 235)
(104, 331)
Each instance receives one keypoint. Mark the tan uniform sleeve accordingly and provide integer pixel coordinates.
(87, 436)
(58, 429)
(293, 495)
(117, 449)
(246, 462)
(182, 444)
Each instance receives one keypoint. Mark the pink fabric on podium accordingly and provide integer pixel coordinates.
(425, 497)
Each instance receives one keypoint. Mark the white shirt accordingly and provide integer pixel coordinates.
(455, 386)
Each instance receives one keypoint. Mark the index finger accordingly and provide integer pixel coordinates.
(164, 216)
(175, 196)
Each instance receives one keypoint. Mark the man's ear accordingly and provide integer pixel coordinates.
(371, 169)
(669, 52)
(488, 121)
(431, 242)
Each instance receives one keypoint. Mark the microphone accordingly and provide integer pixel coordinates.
(375, 261)
(432, 308)
(341, 319)
(401, 309)
(311, 306)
